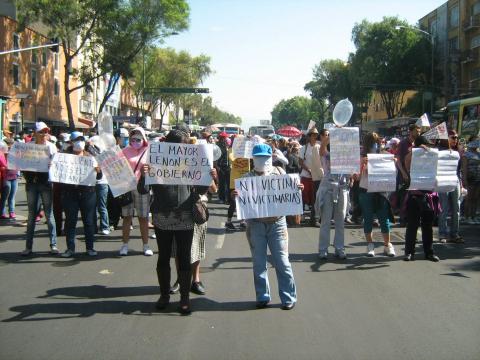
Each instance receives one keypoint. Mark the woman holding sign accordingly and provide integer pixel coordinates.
(374, 202)
(422, 205)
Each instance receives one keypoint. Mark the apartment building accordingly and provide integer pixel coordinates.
(456, 29)
(31, 82)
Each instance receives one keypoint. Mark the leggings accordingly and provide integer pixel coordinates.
(183, 241)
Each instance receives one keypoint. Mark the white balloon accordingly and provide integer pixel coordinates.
(342, 112)
(3, 147)
(108, 140)
(217, 152)
(105, 123)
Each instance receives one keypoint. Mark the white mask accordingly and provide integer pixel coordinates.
(78, 145)
(262, 164)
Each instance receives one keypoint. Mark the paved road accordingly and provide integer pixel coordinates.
(360, 308)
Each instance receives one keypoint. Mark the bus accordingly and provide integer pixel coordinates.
(464, 117)
(262, 130)
(230, 129)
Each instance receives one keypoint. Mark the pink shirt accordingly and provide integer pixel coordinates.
(133, 155)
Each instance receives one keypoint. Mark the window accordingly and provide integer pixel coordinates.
(432, 26)
(34, 79)
(476, 8)
(56, 87)
(476, 74)
(44, 57)
(16, 43)
(475, 42)
(454, 17)
(453, 45)
(16, 74)
(55, 57)
(34, 56)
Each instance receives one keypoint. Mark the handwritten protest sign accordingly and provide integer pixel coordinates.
(28, 157)
(73, 169)
(329, 126)
(382, 173)
(201, 141)
(447, 179)
(179, 164)
(423, 169)
(438, 132)
(266, 196)
(344, 150)
(242, 148)
(117, 170)
(311, 125)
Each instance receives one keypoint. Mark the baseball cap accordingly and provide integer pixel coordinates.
(262, 150)
(76, 135)
(39, 126)
(223, 134)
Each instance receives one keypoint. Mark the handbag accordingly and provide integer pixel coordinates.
(127, 198)
(200, 212)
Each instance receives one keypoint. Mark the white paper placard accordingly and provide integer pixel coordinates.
(116, 168)
(268, 196)
(73, 169)
(179, 164)
(382, 173)
(242, 148)
(28, 157)
(423, 169)
(447, 178)
(344, 150)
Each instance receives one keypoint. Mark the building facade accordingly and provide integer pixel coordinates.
(456, 29)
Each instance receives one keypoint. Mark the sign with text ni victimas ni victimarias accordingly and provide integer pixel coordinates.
(179, 164)
(267, 196)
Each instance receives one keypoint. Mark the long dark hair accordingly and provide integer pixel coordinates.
(369, 140)
(177, 136)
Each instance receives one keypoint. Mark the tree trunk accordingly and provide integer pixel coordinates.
(68, 103)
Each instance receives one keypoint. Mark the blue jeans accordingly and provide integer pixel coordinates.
(367, 205)
(275, 236)
(102, 195)
(449, 202)
(34, 193)
(85, 201)
(8, 193)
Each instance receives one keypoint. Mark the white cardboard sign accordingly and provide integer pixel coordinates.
(382, 173)
(73, 169)
(179, 164)
(344, 150)
(28, 157)
(117, 170)
(242, 148)
(268, 196)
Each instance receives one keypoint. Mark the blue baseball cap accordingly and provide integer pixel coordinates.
(262, 150)
(76, 135)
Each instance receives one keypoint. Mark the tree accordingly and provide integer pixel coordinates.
(108, 33)
(297, 111)
(390, 61)
(166, 68)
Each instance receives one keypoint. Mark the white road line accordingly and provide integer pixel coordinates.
(221, 237)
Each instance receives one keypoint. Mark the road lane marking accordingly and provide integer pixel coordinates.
(221, 237)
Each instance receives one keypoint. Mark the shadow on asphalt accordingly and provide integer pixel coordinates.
(57, 260)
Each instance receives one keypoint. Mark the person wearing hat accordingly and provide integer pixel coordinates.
(7, 133)
(270, 232)
(311, 174)
(79, 197)
(38, 186)
(135, 153)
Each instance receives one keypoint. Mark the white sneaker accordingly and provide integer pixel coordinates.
(54, 250)
(147, 251)
(105, 232)
(389, 250)
(124, 250)
(371, 249)
(91, 252)
(153, 236)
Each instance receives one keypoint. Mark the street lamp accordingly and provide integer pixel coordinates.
(432, 40)
(22, 98)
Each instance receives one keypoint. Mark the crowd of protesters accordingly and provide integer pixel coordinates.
(328, 199)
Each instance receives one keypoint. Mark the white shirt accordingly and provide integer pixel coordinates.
(311, 158)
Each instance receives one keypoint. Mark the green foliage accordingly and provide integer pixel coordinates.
(297, 111)
(390, 60)
(207, 114)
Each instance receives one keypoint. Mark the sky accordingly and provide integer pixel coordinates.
(263, 51)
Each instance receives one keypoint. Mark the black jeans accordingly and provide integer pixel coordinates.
(183, 241)
(418, 213)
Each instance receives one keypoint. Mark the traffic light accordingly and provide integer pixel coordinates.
(54, 48)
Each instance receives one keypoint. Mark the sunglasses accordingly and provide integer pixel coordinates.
(453, 137)
(135, 140)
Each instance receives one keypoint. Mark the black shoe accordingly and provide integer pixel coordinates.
(162, 302)
(289, 306)
(198, 288)
(262, 304)
(184, 307)
(229, 226)
(432, 257)
(409, 257)
(175, 288)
